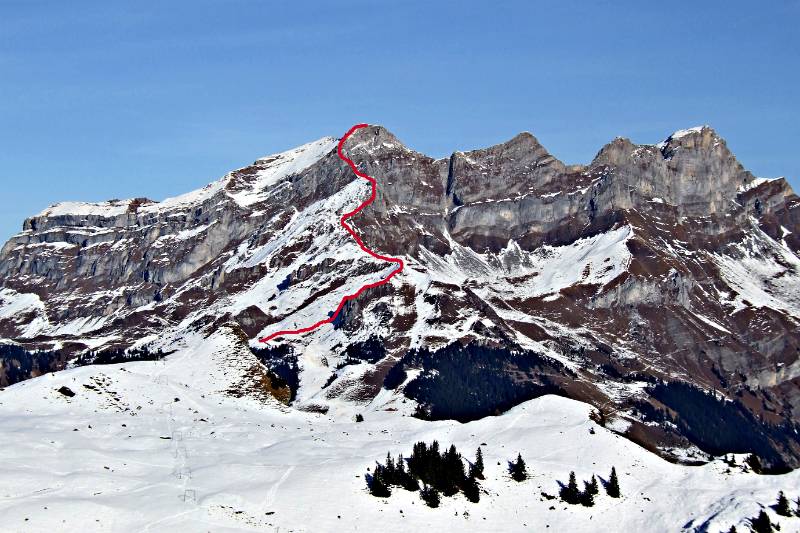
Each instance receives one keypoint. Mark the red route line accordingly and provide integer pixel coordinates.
(343, 222)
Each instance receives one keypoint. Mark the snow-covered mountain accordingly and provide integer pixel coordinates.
(659, 284)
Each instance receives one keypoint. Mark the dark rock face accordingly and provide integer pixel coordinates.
(653, 263)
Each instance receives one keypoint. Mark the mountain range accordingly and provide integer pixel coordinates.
(659, 284)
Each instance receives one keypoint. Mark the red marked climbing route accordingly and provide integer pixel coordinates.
(343, 222)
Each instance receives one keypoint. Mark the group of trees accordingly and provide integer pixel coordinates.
(469, 382)
(18, 364)
(439, 472)
(570, 493)
(442, 473)
(761, 523)
(719, 426)
(112, 356)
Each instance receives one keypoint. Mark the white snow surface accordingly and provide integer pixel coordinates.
(279, 166)
(755, 183)
(13, 304)
(275, 168)
(110, 208)
(688, 131)
(762, 272)
(157, 446)
(548, 269)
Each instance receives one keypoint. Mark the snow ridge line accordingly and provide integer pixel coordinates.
(351, 231)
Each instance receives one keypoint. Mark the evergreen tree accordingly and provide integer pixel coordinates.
(782, 507)
(477, 467)
(453, 475)
(430, 496)
(612, 488)
(587, 496)
(592, 487)
(761, 523)
(389, 472)
(471, 489)
(732, 529)
(378, 486)
(519, 471)
(797, 511)
(404, 477)
(435, 447)
(359, 417)
(570, 493)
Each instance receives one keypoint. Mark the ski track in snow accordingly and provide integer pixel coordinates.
(269, 499)
(351, 231)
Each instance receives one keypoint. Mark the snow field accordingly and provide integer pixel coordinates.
(142, 461)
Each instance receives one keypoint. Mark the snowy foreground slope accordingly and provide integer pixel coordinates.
(161, 446)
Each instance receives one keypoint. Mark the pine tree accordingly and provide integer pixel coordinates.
(378, 486)
(782, 507)
(587, 496)
(471, 489)
(404, 477)
(797, 511)
(612, 488)
(732, 529)
(452, 472)
(430, 496)
(519, 471)
(389, 472)
(592, 486)
(761, 523)
(570, 493)
(477, 467)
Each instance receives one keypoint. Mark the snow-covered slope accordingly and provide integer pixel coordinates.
(161, 446)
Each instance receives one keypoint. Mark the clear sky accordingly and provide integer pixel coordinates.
(109, 99)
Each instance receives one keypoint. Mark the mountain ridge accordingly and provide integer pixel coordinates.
(666, 262)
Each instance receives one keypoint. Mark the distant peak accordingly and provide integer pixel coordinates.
(689, 134)
(374, 138)
(313, 146)
(688, 131)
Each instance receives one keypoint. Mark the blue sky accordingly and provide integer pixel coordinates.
(112, 99)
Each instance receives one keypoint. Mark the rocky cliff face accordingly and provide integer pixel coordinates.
(653, 263)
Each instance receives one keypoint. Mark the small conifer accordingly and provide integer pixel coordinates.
(761, 523)
(378, 486)
(592, 487)
(430, 496)
(570, 493)
(782, 507)
(477, 467)
(471, 489)
(519, 472)
(587, 496)
(612, 488)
